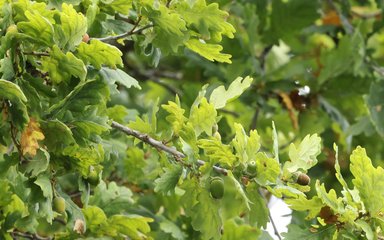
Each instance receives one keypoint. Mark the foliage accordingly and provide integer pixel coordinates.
(146, 119)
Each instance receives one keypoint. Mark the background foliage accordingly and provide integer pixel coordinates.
(225, 103)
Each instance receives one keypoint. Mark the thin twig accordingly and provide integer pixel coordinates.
(344, 21)
(123, 35)
(233, 113)
(274, 226)
(271, 219)
(254, 119)
(29, 236)
(40, 54)
(159, 145)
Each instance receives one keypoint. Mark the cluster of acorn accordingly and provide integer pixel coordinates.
(216, 184)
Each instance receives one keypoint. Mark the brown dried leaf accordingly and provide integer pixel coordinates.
(30, 137)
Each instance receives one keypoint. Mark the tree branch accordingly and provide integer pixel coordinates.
(159, 145)
(29, 236)
(123, 35)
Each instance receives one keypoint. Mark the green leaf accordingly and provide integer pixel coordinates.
(62, 66)
(54, 128)
(212, 52)
(119, 76)
(220, 97)
(206, 217)
(111, 198)
(246, 147)
(98, 54)
(288, 17)
(45, 184)
(239, 190)
(366, 228)
(6, 68)
(368, 180)
(94, 217)
(176, 115)
(375, 105)
(82, 158)
(73, 27)
(208, 20)
(296, 232)
(305, 155)
(258, 214)
(85, 94)
(11, 91)
(235, 231)
(275, 142)
(38, 28)
(267, 169)
(135, 227)
(120, 6)
(343, 60)
(168, 180)
(169, 29)
(141, 125)
(313, 205)
(203, 117)
(216, 151)
(171, 228)
(329, 198)
(38, 164)
(18, 109)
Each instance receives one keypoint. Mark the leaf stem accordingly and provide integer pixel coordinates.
(159, 145)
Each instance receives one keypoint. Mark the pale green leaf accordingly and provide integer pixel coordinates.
(98, 53)
(313, 205)
(141, 125)
(305, 155)
(176, 115)
(135, 227)
(267, 169)
(120, 6)
(246, 146)
(220, 96)
(38, 28)
(61, 67)
(212, 52)
(73, 27)
(366, 228)
(209, 20)
(169, 29)
(203, 117)
(329, 198)
(368, 180)
(94, 217)
(217, 152)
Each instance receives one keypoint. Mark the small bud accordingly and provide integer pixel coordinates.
(303, 179)
(79, 226)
